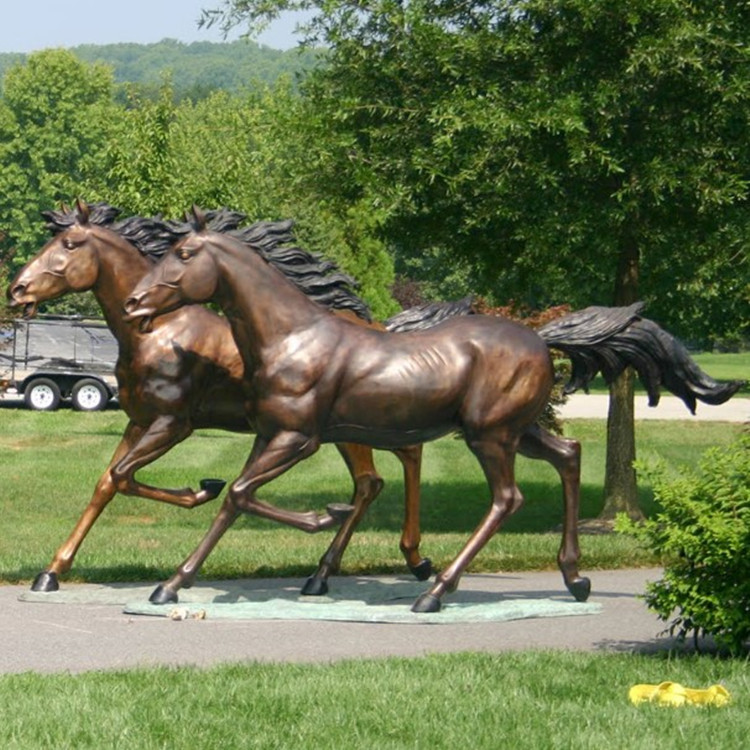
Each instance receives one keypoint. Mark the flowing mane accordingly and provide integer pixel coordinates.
(318, 278)
(151, 236)
(101, 214)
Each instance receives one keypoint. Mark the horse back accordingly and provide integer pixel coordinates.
(465, 374)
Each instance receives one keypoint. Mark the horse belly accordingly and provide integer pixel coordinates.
(405, 400)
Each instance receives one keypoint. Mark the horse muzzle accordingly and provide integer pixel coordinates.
(18, 296)
(136, 311)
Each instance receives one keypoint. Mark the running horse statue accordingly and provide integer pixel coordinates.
(188, 373)
(313, 377)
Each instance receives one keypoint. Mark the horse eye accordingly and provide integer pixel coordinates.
(68, 244)
(184, 254)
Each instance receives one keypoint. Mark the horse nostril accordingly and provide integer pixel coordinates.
(16, 290)
(131, 304)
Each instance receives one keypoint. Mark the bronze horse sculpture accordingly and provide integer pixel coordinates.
(313, 377)
(174, 383)
(187, 374)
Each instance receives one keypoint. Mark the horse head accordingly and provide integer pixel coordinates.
(186, 274)
(68, 262)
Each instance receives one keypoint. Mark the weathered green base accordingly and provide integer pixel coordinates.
(353, 599)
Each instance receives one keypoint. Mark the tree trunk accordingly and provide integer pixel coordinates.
(620, 489)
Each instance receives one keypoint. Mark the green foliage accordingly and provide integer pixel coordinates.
(197, 69)
(702, 531)
(5, 313)
(51, 119)
(67, 137)
(242, 151)
(577, 151)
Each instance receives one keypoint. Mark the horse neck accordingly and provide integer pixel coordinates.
(261, 304)
(121, 266)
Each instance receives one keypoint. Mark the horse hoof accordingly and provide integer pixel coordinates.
(580, 588)
(46, 581)
(340, 511)
(315, 586)
(212, 486)
(423, 570)
(163, 595)
(426, 603)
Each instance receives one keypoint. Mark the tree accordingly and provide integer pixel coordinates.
(578, 151)
(248, 151)
(51, 114)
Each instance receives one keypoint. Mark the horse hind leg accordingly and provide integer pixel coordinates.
(497, 460)
(411, 460)
(565, 455)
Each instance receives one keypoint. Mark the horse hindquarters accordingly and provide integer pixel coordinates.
(510, 385)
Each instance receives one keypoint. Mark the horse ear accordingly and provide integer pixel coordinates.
(199, 218)
(82, 209)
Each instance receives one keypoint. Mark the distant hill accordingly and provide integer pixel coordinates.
(195, 68)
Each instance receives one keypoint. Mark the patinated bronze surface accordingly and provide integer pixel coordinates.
(185, 374)
(313, 377)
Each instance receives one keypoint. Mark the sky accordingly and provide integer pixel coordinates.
(31, 25)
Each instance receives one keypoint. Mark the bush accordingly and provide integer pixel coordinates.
(701, 531)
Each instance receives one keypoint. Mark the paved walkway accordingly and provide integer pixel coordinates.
(581, 405)
(48, 637)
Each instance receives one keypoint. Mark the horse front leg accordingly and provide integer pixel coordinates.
(411, 461)
(158, 438)
(497, 461)
(268, 459)
(104, 491)
(565, 455)
(367, 486)
(275, 457)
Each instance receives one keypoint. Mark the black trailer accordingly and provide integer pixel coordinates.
(48, 359)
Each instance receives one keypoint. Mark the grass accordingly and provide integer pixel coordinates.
(524, 700)
(52, 461)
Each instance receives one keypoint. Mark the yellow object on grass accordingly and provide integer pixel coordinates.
(674, 694)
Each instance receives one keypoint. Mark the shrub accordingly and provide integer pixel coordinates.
(701, 531)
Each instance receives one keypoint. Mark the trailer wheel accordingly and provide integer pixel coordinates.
(89, 395)
(42, 394)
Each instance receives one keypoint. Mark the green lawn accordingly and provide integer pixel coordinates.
(529, 700)
(525, 700)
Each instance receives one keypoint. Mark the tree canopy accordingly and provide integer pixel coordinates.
(561, 150)
(557, 151)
